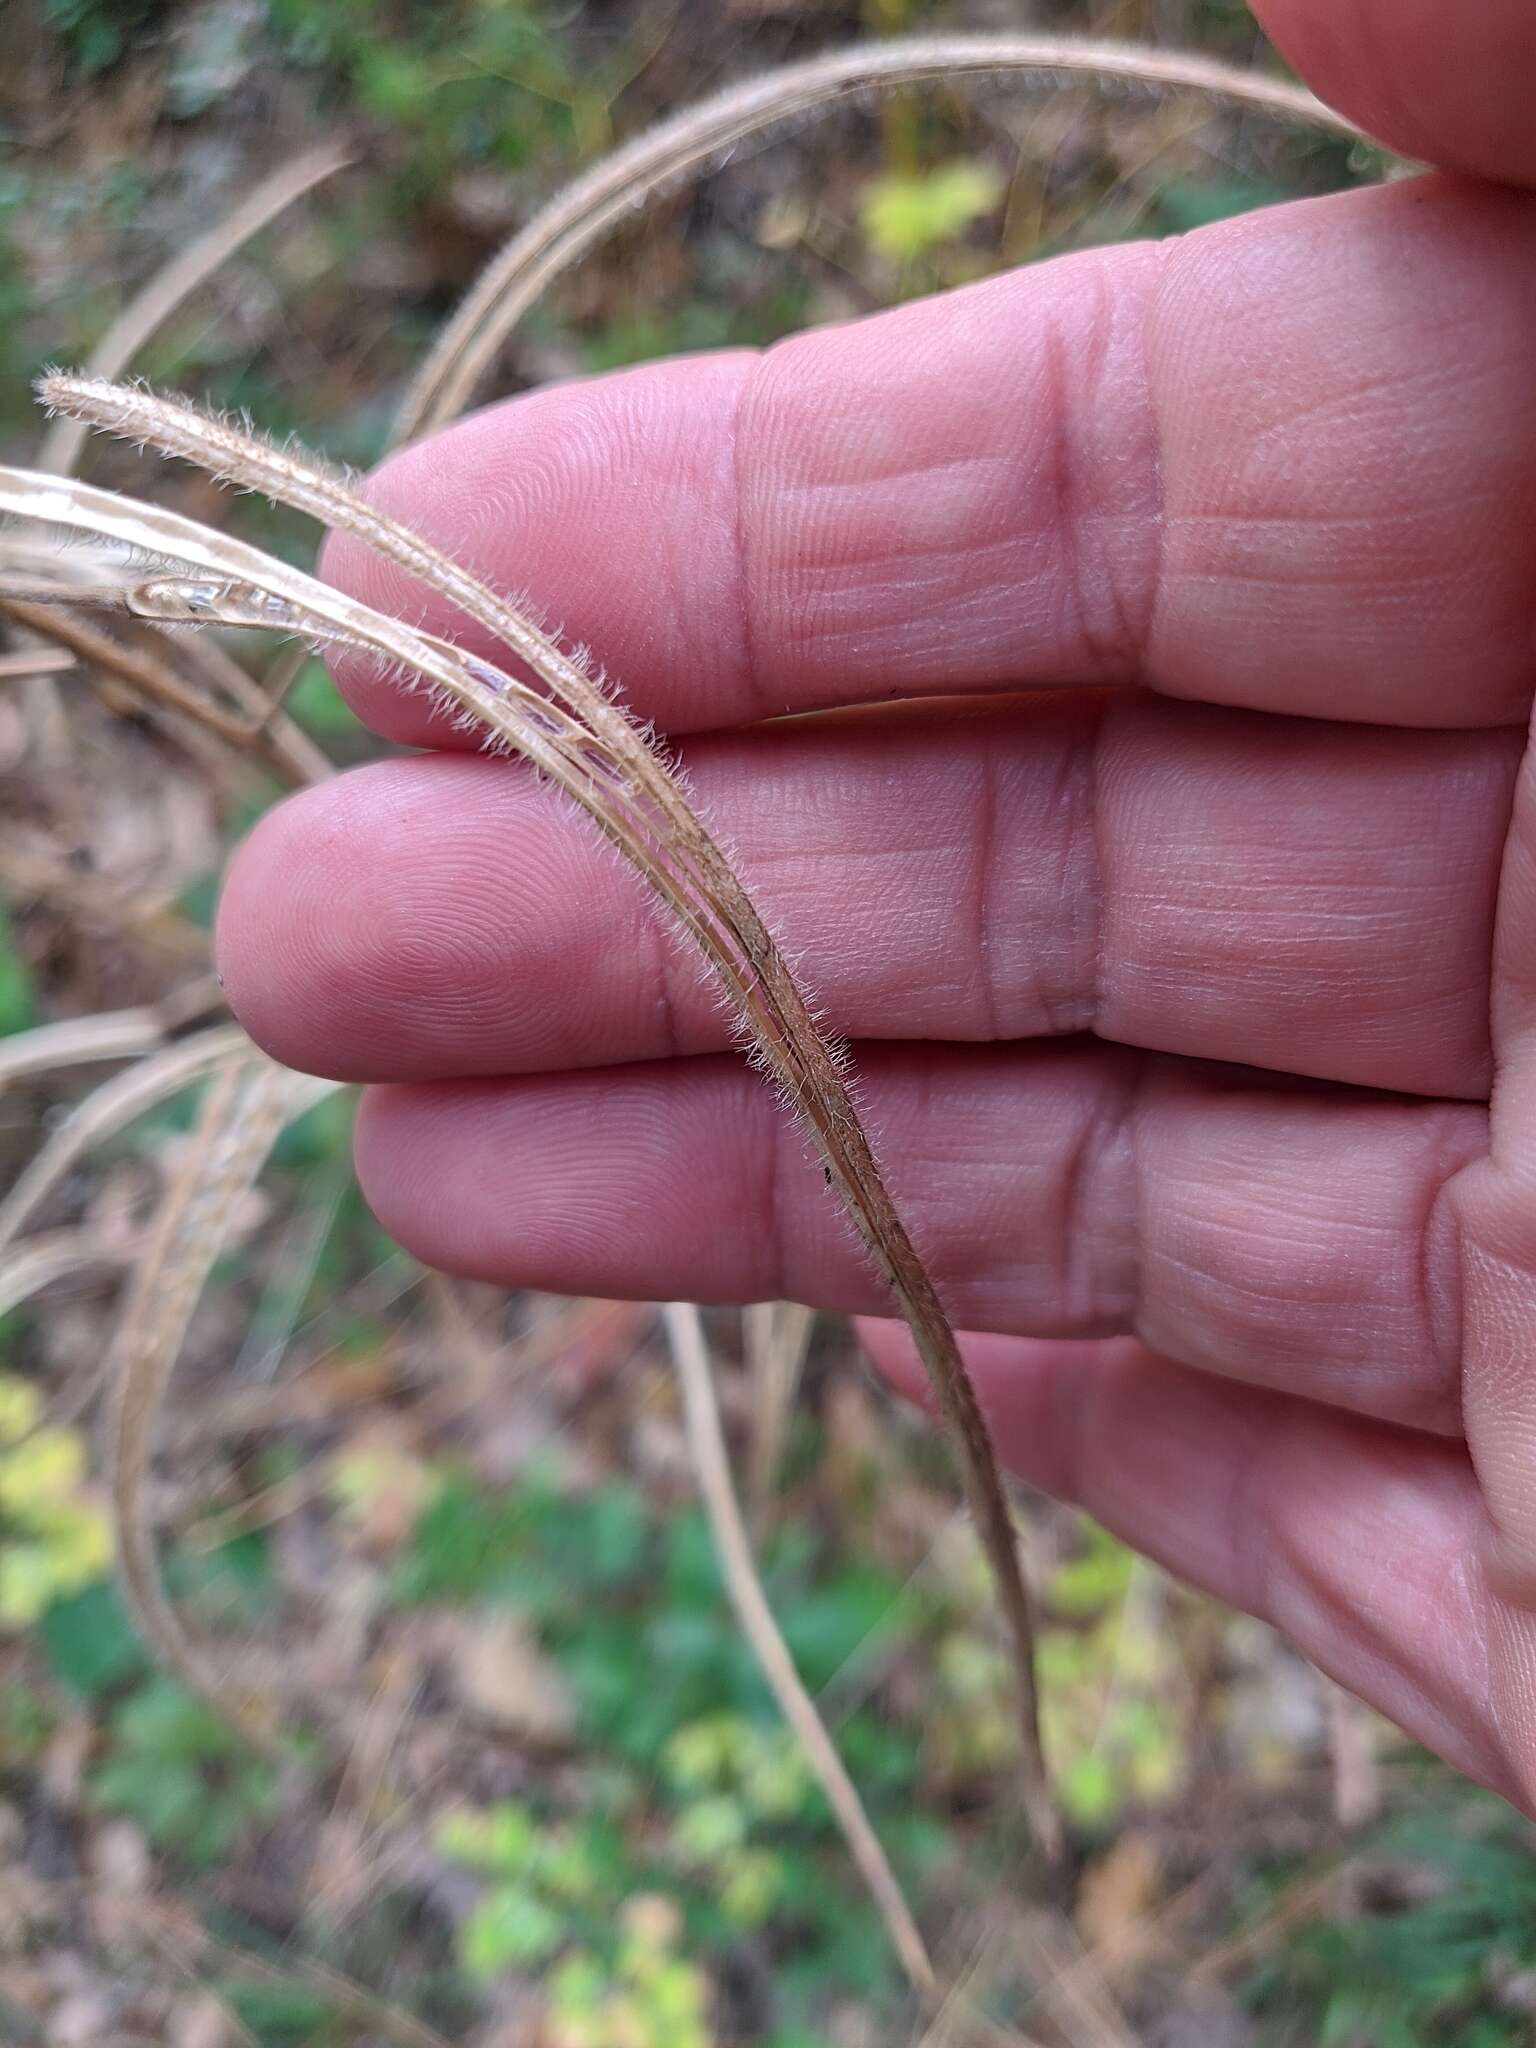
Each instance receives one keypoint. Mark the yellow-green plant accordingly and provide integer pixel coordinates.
(55, 1534)
(904, 218)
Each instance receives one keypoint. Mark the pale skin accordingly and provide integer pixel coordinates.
(1193, 980)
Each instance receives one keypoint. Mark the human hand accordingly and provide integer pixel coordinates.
(1178, 986)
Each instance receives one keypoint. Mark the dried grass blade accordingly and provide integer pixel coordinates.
(242, 1114)
(107, 1110)
(76, 1041)
(706, 1443)
(35, 661)
(777, 1338)
(276, 742)
(620, 184)
(182, 276)
(37, 1265)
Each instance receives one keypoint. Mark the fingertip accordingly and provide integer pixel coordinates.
(381, 1138)
(257, 924)
(419, 1179)
(1448, 83)
(316, 959)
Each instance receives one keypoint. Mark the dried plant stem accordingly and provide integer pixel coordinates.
(191, 268)
(706, 1441)
(241, 1116)
(35, 661)
(621, 183)
(77, 1041)
(592, 750)
(777, 1336)
(107, 1109)
(46, 1259)
(277, 742)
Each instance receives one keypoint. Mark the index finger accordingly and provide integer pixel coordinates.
(1288, 463)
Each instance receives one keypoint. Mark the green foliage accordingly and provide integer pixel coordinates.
(167, 1762)
(650, 1998)
(230, 1585)
(569, 1891)
(317, 705)
(509, 1929)
(631, 1606)
(1187, 203)
(282, 2015)
(547, 1885)
(96, 33)
(1107, 1686)
(15, 296)
(190, 1782)
(713, 1799)
(907, 218)
(1107, 1679)
(26, 1722)
(90, 1642)
(459, 82)
(18, 995)
(531, 1548)
(1425, 1961)
(733, 1778)
(645, 332)
(1095, 1579)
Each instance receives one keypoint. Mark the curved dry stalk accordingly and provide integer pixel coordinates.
(777, 1337)
(190, 268)
(275, 741)
(241, 1117)
(591, 749)
(621, 183)
(76, 1041)
(35, 661)
(38, 1264)
(104, 1035)
(107, 1109)
(706, 1439)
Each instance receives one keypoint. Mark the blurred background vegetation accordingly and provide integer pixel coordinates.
(538, 1796)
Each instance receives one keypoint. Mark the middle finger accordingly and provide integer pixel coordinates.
(1309, 898)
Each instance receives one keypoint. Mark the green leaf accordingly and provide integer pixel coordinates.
(280, 2015)
(175, 1768)
(18, 995)
(904, 218)
(90, 1643)
(510, 1926)
(461, 1546)
(502, 1840)
(233, 1583)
